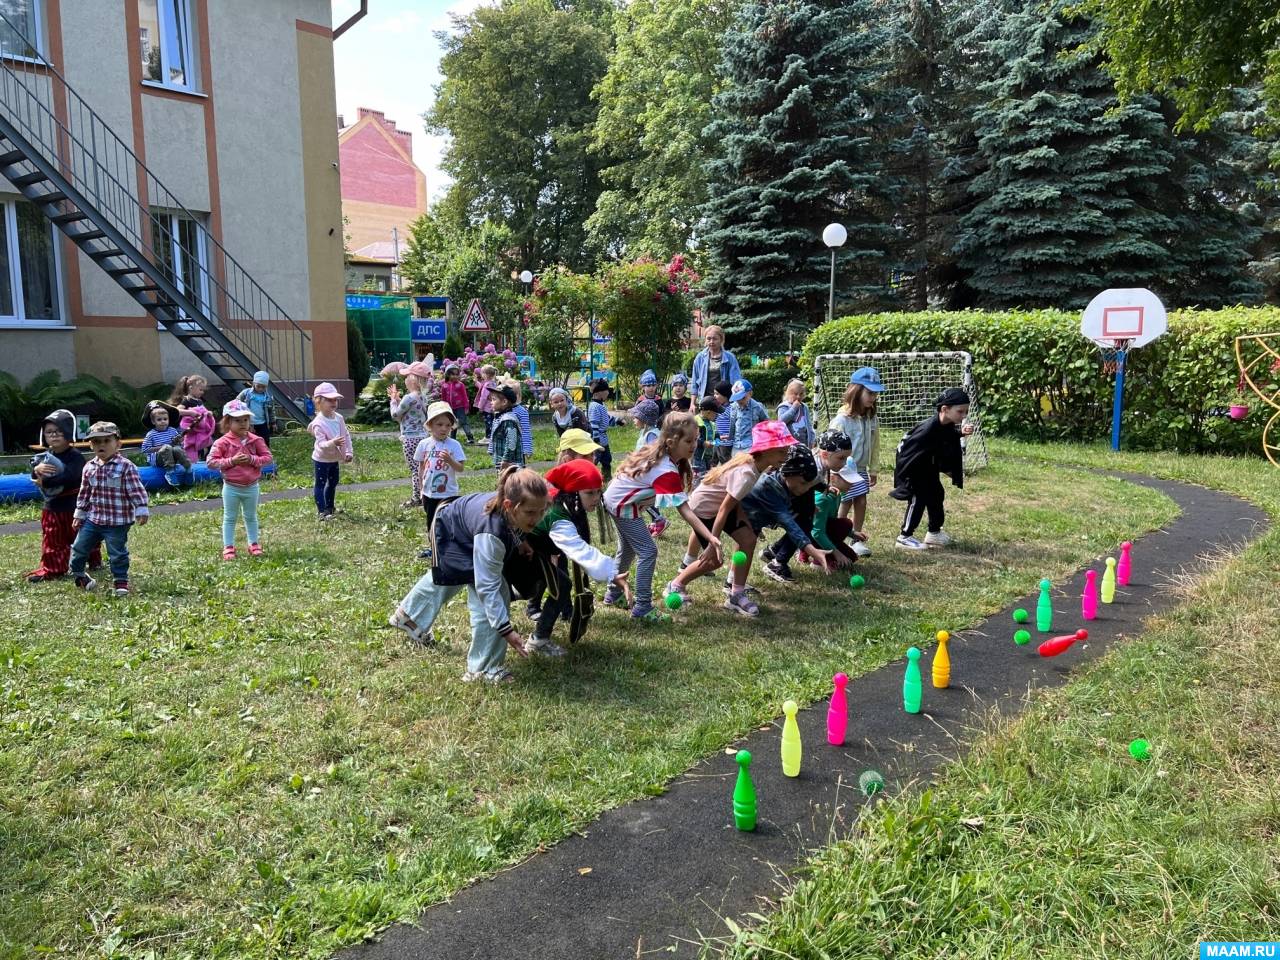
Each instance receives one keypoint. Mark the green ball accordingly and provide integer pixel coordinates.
(1140, 750)
(871, 783)
(673, 601)
(739, 558)
(1022, 638)
(1020, 616)
(857, 581)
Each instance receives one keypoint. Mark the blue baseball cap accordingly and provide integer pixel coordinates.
(740, 389)
(868, 377)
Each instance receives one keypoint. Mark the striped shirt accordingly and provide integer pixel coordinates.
(598, 417)
(526, 429)
(155, 439)
(722, 429)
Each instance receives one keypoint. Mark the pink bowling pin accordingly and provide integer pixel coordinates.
(838, 712)
(1089, 599)
(1122, 566)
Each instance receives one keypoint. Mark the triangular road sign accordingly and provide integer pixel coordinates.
(475, 321)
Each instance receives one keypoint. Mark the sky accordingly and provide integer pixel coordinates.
(390, 61)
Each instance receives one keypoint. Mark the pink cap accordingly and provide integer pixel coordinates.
(236, 408)
(327, 390)
(418, 369)
(770, 435)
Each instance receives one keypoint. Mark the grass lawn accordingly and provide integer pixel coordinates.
(240, 760)
(1047, 840)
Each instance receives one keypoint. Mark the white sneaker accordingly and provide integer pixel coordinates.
(402, 621)
(939, 539)
(861, 549)
(909, 543)
(544, 648)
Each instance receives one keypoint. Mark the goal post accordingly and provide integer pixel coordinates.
(912, 381)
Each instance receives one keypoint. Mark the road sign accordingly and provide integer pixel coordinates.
(474, 320)
(1135, 315)
(428, 331)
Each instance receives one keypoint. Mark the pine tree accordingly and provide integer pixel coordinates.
(794, 125)
(1068, 203)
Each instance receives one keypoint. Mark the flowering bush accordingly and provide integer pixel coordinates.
(561, 309)
(646, 308)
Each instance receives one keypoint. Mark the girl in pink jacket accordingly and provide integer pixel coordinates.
(239, 455)
(454, 393)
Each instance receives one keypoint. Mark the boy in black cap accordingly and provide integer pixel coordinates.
(931, 448)
(57, 472)
(600, 420)
(507, 446)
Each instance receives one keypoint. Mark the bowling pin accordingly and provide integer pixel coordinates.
(838, 712)
(1089, 599)
(1109, 581)
(942, 662)
(790, 740)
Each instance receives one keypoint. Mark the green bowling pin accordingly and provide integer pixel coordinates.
(911, 685)
(744, 795)
(1044, 608)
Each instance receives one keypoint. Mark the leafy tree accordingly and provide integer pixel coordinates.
(655, 103)
(794, 123)
(646, 308)
(559, 313)
(516, 104)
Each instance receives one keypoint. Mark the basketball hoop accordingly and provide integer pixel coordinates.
(1111, 354)
(1118, 321)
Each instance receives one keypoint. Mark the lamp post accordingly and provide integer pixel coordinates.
(833, 235)
(526, 278)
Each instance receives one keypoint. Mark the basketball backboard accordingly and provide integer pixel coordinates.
(1132, 315)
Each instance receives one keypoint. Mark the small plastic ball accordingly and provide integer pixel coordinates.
(1022, 638)
(1020, 616)
(1140, 750)
(739, 558)
(857, 581)
(871, 782)
(673, 601)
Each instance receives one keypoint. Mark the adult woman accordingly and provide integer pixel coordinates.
(712, 365)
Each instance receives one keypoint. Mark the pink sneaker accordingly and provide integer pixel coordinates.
(228, 553)
(658, 527)
(255, 550)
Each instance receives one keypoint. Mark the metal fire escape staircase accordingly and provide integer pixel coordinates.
(57, 151)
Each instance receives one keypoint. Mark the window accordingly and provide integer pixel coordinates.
(20, 37)
(28, 269)
(164, 37)
(181, 250)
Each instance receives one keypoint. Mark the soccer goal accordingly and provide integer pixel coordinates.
(912, 381)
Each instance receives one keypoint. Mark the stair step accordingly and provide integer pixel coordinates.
(44, 199)
(123, 271)
(72, 217)
(85, 235)
(27, 179)
(104, 254)
(11, 157)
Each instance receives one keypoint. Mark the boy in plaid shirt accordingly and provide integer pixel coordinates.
(110, 501)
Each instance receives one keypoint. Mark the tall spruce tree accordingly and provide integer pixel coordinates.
(794, 125)
(1069, 201)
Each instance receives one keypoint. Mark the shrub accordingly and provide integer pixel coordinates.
(1039, 379)
(21, 408)
(357, 357)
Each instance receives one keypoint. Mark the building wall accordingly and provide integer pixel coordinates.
(382, 189)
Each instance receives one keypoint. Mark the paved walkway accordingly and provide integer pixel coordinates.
(665, 870)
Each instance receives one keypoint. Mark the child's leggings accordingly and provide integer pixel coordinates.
(326, 485)
(236, 498)
(926, 495)
(463, 425)
(408, 446)
(424, 602)
(634, 543)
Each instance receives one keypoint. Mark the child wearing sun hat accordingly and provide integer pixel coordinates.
(239, 455)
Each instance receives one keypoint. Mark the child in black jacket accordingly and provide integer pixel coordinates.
(931, 448)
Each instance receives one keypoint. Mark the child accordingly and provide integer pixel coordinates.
(333, 444)
(857, 418)
(601, 420)
(576, 445)
(708, 410)
(195, 420)
(57, 473)
(769, 504)
(526, 426)
(110, 501)
(817, 512)
(410, 411)
(717, 502)
(564, 415)
(507, 448)
(724, 437)
(645, 416)
(163, 442)
(681, 402)
(454, 393)
(471, 540)
(744, 413)
(649, 391)
(239, 455)
(257, 398)
(794, 412)
(488, 380)
(562, 543)
(657, 474)
(440, 458)
(933, 447)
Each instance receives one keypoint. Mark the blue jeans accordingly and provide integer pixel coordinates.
(235, 498)
(91, 536)
(326, 485)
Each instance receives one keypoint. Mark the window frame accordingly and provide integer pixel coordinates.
(177, 255)
(186, 39)
(37, 16)
(18, 319)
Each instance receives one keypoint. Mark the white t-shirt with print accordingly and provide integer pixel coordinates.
(439, 479)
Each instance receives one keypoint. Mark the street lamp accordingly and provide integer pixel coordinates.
(833, 235)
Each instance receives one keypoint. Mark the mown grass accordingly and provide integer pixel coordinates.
(1048, 840)
(241, 761)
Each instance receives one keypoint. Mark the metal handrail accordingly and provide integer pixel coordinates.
(104, 168)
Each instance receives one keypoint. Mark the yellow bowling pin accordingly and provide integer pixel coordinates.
(942, 662)
(790, 740)
(1109, 581)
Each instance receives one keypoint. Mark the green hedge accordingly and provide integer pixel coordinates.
(1039, 379)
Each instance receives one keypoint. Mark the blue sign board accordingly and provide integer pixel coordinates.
(428, 331)
(358, 302)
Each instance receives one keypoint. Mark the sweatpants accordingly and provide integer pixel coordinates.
(424, 602)
(237, 498)
(56, 537)
(635, 543)
(604, 460)
(557, 601)
(927, 495)
(326, 485)
(408, 445)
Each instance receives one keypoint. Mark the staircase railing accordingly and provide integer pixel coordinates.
(36, 99)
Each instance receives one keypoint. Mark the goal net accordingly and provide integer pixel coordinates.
(912, 381)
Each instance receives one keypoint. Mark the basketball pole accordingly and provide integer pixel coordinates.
(1118, 403)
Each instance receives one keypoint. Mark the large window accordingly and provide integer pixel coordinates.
(28, 269)
(180, 248)
(20, 29)
(164, 34)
